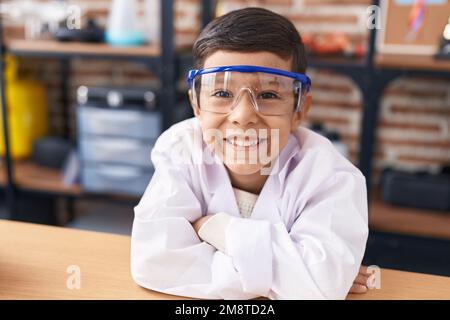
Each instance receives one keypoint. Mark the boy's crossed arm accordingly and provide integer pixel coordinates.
(210, 236)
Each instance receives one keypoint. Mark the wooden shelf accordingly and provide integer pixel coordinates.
(410, 221)
(28, 175)
(49, 47)
(33, 177)
(335, 62)
(411, 62)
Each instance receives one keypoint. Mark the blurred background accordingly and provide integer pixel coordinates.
(87, 87)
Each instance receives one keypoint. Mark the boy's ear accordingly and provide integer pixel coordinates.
(193, 104)
(300, 116)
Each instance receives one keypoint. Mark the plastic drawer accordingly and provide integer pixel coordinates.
(115, 178)
(116, 150)
(119, 122)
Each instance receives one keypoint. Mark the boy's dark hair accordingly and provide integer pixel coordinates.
(251, 30)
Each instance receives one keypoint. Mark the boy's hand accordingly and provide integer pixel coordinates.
(360, 282)
(198, 223)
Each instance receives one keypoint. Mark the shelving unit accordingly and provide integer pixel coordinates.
(161, 59)
(400, 237)
(371, 74)
(386, 68)
(403, 238)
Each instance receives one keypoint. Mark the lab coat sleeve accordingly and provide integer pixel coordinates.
(318, 258)
(166, 253)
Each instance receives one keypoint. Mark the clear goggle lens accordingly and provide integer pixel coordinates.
(270, 94)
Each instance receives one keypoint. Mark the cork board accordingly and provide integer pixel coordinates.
(395, 36)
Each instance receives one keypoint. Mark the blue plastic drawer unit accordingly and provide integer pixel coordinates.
(116, 150)
(115, 146)
(119, 122)
(119, 179)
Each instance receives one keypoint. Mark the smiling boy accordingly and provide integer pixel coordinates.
(279, 213)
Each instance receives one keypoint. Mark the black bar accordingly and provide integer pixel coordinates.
(368, 128)
(167, 72)
(65, 101)
(370, 112)
(9, 190)
(207, 11)
(372, 39)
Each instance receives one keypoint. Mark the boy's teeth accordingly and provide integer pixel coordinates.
(243, 142)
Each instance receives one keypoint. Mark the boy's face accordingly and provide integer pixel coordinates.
(234, 146)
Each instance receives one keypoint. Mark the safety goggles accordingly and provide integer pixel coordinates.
(271, 91)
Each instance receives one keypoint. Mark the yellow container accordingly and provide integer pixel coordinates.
(27, 111)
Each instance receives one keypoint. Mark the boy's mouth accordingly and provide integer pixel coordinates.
(240, 141)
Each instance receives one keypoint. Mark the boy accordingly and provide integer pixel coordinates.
(244, 202)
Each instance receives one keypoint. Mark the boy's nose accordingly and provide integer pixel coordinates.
(244, 112)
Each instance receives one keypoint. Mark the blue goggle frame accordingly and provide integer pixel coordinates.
(304, 79)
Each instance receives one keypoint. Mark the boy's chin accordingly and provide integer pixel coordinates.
(244, 169)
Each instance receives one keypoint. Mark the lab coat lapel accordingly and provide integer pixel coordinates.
(219, 186)
(266, 207)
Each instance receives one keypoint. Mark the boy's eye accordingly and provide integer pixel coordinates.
(222, 94)
(268, 95)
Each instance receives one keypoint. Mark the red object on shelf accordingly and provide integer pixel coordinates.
(332, 44)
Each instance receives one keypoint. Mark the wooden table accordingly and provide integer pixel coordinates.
(34, 260)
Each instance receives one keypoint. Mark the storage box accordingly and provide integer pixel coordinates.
(116, 150)
(119, 122)
(100, 177)
(418, 190)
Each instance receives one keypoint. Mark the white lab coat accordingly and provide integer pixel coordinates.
(305, 239)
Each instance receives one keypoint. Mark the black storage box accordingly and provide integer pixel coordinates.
(418, 190)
